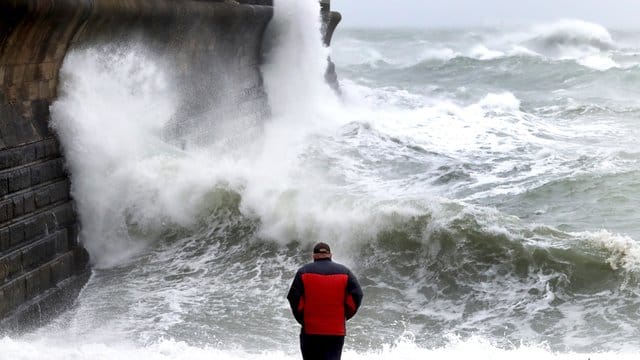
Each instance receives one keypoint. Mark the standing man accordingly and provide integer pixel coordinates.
(323, 296)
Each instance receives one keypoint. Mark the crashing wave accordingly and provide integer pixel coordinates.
(566, 36)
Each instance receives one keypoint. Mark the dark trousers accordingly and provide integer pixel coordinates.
(321, 347)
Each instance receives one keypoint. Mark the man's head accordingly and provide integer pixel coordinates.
(321, 251)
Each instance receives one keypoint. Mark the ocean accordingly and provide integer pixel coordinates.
(482, 183)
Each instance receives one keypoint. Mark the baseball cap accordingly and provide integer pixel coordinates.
(321, 248)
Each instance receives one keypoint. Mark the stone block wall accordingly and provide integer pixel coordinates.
(39, 250)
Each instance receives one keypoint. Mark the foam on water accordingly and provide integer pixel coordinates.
(624, 251)
(598, 62)
(403, 349)
(494, 127)
(481, 52)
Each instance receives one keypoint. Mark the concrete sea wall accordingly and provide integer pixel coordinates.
(43, 265)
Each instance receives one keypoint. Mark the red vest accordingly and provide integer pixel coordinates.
(323, 304)
(323, 296)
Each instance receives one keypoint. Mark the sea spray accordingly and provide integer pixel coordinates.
(296, 63)
(109, 116)
(293, 196)
(133, 177)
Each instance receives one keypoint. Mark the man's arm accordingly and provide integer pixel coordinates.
(296, 298)
(353, 296)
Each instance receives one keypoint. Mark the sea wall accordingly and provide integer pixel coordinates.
(42, 262)
(214, 51)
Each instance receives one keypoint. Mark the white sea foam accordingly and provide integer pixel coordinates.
(598, 62)
(622, 251)
(494, 126)
(441, 53)
(481, 52)
(403, 349)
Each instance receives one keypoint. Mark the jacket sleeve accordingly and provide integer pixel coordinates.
(353, 297)
(296, 297)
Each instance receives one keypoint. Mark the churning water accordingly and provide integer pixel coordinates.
(482, 183)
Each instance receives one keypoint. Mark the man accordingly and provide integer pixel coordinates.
(323, 296)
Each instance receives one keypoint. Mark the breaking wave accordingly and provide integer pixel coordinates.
(588, 44)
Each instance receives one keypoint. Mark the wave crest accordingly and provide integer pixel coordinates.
(569, 34)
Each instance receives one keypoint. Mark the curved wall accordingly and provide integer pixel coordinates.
(41, 260)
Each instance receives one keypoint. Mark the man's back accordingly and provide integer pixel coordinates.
(330, 295)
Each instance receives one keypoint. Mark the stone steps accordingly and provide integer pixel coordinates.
(31, 174)
(38, 236)
(29, 285)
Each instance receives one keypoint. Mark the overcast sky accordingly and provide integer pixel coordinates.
(614, 14)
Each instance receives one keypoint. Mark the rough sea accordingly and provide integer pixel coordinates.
(482, 183)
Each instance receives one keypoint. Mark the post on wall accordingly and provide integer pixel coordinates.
(330, 20)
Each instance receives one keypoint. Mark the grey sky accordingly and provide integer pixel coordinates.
(436, 13)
